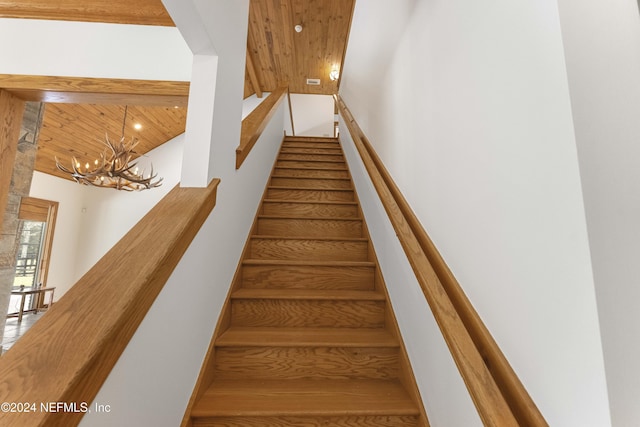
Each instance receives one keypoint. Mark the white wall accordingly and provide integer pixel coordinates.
(602, 48)
(446, 399)
(469, 109)
(250, 103)
(312, 114)
(91, 220)
(153, 379)
(67, 234)
(83, 49)
(108, 214)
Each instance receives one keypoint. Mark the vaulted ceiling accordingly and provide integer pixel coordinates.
(276, 54)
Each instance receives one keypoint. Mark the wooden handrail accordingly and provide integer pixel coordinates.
(443, 291)
(293, 129)
(66, 356)
(254, 124)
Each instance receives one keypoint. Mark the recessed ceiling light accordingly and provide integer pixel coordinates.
(298, 28)
(137, 126)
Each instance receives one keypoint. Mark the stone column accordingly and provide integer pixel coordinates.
(20, 185)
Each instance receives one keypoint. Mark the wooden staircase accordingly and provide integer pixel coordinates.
(307, 337)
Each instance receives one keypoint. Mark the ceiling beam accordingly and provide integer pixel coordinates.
(253, 76)
(81, 90)
(145, 12)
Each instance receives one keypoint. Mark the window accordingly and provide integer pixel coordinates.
(34, 240)
(28, 254)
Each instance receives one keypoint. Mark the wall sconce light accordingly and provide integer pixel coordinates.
(334, 74)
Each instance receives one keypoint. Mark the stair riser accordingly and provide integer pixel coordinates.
(310, 209)
(236, 363)
(311, 421)
(311, 139)
(311, 150)
(311, 173)
(307, 313)
(307, 157)
(308, 250)
(309, 164)
(311, 195)
(309, 227)
(319, 183)
(307, 277)
(311, 144)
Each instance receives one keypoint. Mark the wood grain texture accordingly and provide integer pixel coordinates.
(346, 421)
(305, 157)
(300, 275)
(308, 341)
(306, 209)
(288, 149)
(316, 397)
(334, 165)
(253, 76)
(66, 356)
(310, 195)
(307, 337)
(311, 173)
(315, 249)
(312, 227)
(282, 55)
(319, 362)
(78, 130)
(499, 396)
(96, 90)
(308, 313)
(146, 12)
(304, 182)
(11, 111)
(254, 124)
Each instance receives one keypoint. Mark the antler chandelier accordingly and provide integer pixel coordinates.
(114, 169)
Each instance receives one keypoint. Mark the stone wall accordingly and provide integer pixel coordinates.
(20, 185)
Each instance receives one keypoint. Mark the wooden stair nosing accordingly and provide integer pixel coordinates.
(306, 337)
(329, 178)
(253, 261)
(321, 239)
(304, 397)
(331, 151)
(311, 160)
(310, 218)
(313, 421)
(307, 294)
(280, 187)
(338, 169)
(310, 202)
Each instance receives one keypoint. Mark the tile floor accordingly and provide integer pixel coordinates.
(14, 330)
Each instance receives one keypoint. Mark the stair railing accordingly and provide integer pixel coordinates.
(66, 356)
(497, 392)
(255, 123)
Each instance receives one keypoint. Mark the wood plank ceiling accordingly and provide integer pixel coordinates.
(276, 54)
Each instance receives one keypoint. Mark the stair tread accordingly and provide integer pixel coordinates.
(327, 178)
(311, 218)
(281, 187)
(305, 202)
(304, 397)
(299, 150)
(253, 261)
(331, 239)
(306, 337)
(313, 168)
(307, 294)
